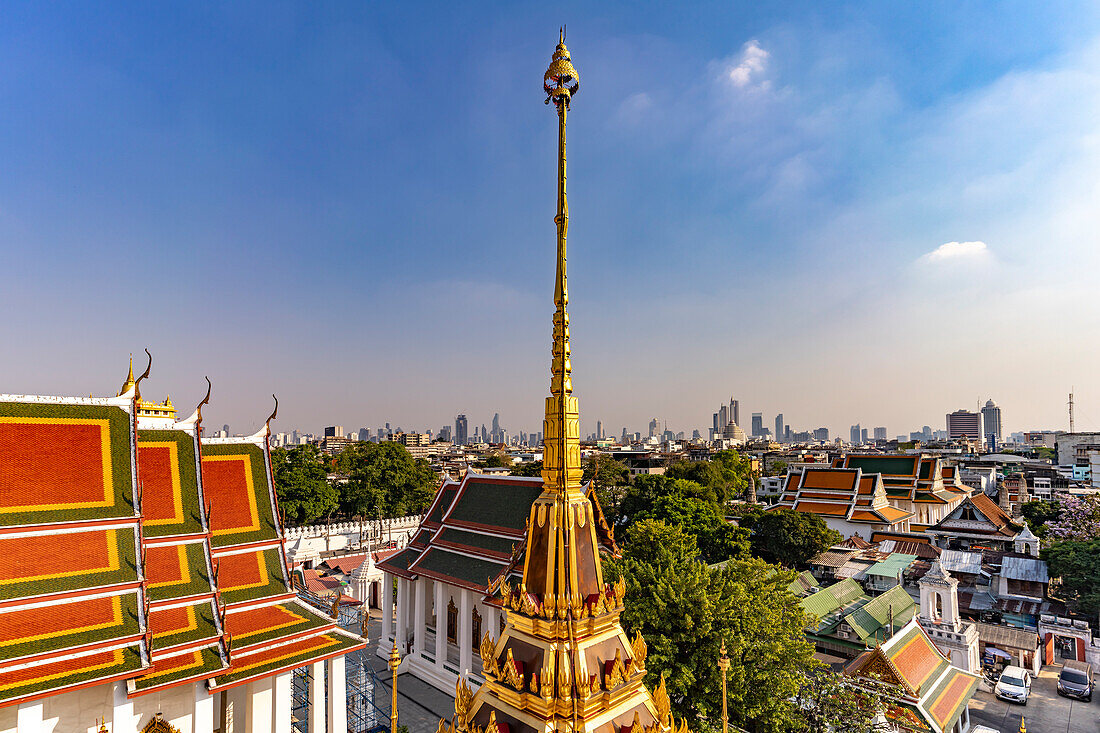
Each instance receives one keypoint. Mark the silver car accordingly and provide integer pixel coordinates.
(1014, 685)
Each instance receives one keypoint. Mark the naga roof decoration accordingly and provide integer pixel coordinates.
(563, 661)
(133, 551)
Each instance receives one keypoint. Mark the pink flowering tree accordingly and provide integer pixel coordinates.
(1079, 520)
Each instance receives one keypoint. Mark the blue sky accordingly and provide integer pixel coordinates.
(351, 205)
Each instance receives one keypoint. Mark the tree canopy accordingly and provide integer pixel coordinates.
(685, 611)
(787, 537)
(718, 540)
(1077, 564)
(1079, 519)
(530, 468)
(301, 484)
(384, 478)
(726, 474)
(1038, 514)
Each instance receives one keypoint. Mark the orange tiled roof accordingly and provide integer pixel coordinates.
(815, 478)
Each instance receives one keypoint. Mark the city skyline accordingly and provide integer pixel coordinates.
(824, 199)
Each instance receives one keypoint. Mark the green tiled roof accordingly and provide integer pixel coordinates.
(480, 541)
(118, 425)
(267, 529)
(876, 613)
(125, 544)
(463, 568)
(834, 597)
(447, 495)
(803, 583)
(211, 662)
(205, 628)
(130, 662)
(312, 621)
(130, 626)
(505, 505)
(189, 486)
(400, 561)
(894, 465)
(276, 584)
(342, 644)
(199, 581)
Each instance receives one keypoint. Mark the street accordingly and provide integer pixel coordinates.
(1045, 712)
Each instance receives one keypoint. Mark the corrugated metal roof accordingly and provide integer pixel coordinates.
(959, 561)
(1009, 636)
(893, 566)
(1025, 568)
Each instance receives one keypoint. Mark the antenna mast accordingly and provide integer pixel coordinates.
(1071, 410)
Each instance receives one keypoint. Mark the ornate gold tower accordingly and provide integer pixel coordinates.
(563, 661)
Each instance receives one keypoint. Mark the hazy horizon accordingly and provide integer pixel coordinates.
(858, 213)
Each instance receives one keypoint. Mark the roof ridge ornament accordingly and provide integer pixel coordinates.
(144, 375)
(196, 417)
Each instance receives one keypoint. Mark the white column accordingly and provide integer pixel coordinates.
(402, 613)
(387, 609)
(465, 632)
(204, 709)
(420, 617)
(236, 709)
(258, 715)
(337, 697)
(440, 624)
(29, 718)
(283, 696)
(122, 715)
(317, 702)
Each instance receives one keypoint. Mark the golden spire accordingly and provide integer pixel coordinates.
(562, 560)
(129, 383)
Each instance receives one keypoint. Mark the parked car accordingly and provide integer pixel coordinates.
(1075, 680)
(1014, 685)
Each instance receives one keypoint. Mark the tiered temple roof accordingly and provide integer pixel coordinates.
(932, 694)
(269, 629)
(133, 550)
(842, 493)
(72, 601)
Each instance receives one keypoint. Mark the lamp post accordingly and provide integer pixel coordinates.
(394, 663)
(724, 665)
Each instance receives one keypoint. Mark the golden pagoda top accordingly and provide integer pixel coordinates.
(147, 408)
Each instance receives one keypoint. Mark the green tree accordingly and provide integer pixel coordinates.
(726, 474)
(787, 537)
(530, 468)
(647, 489)
(384, 477)
(1077, 564)
(829, 703)
(718, 540)
(611, 480)
(685, 611)
(301, 484)
(1038, 513)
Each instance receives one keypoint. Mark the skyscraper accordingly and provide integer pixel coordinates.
(717, 428)
(735, 411)
(723, 418)
(654, 426)
(854, 435)
(991, 416)
(965, 424)
(495, 435)
(779, 433)
(757, 424)
(880, 433)
(460, 430)
(599, 430)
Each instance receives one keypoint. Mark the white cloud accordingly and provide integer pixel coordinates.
(752, 64)
(958, 252)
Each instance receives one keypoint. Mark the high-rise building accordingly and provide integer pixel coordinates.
(461, 425)
(717, 428)
(599, 430)
(965, 424)
(723, 418)
(880, 433)
(854, 434)
(334, 431)
(821, 434)
(991, 416)
(364, 434)
(735, 411)
(445, 433)
(757, 424)
(779, 435)
(654, 425)
(496, 436)
(863, 435)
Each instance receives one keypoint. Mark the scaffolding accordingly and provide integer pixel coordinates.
(366, 711)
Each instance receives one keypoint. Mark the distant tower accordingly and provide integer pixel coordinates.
(461, 426)
(1071, 410)
(939, 615)
(735, 411)
(654, 426)
(723, 418)
(991, 417)
(779, 427)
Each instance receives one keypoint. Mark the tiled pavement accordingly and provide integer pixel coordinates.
(419, 705)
